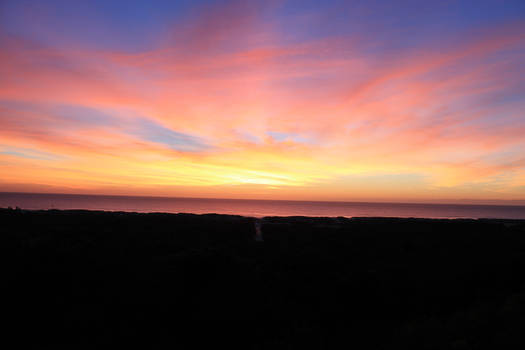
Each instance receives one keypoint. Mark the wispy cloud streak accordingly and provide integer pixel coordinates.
(241, 100)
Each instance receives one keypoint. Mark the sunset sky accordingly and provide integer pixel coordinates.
(306, 100)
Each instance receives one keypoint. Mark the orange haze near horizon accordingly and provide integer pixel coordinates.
(237, 110)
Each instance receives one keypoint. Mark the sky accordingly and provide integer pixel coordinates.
(299, 100)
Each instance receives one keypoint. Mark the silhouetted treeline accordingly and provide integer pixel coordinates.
(83, 277)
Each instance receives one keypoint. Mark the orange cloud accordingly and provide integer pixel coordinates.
(343, 115)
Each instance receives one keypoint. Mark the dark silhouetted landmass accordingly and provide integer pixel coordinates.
(85, 277)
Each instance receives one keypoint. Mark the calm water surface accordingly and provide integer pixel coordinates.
(258, 208)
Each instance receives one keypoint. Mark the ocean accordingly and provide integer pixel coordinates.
(258, 208)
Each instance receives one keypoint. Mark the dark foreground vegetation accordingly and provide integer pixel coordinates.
(81, 277)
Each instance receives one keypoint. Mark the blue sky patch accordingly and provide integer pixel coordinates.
(154, 132)
(28, 153)
(287, 136)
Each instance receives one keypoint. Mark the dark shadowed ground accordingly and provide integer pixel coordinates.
(83, 277)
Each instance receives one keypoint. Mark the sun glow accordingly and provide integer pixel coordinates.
(247, 106)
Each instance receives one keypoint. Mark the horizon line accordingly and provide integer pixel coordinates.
(481, 202)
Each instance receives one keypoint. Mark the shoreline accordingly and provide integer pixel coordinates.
(292, 217)
(262, 208)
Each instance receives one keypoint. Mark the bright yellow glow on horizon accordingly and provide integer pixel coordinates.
(321, 119)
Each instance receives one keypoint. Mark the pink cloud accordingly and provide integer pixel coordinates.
(361, 114)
